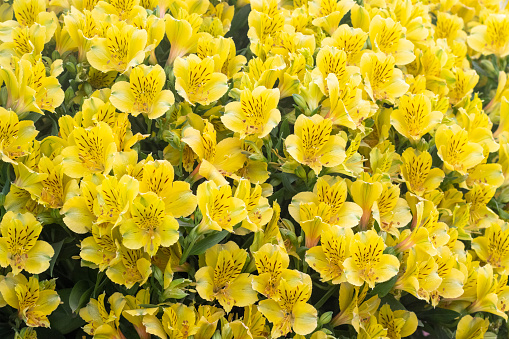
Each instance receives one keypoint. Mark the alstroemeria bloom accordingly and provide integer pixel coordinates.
(220, 210)
(349, 39)
(218, 159)
(368, 263)
(313, 145)
(15, 136)
(333, 192)
(143, 93)
(34, 300)
(257, 206)
(417, 172)
(414, 118)
(178, 321)
(157, 177)
(19, 245)
(328, 258)
(455, 149)
(270, 260)
(90, 151)
(381, 79)
(196, 80)
(388, 36)
(255, 114)
(399, 323)
(132, 267)
(100, 322)
(149, 226)
(123, 47)
(472, 327)
(492, 37)
(222, 279)
(289, 308)
(492, 248)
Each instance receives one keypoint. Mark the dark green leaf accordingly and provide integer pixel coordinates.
(210, 240)
(78, 294)
(384, 288)
(57, 247)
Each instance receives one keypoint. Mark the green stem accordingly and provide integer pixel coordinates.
(326, 296)
(193, 237)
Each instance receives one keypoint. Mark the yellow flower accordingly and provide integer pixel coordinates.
(90, 151)
(328, 258)
(101, 323)
(399, 323)
(388, 36)
(472, 328)
(25, 42)
(461, 84)
(420, 276)
(491, 38)
(353, 305)
(133, 267)
(143, 93)
(370, 329)
(178, 321)
(331, 60)
(455, 149)
(348, 39)
(122, 48)
(255, 114)
(208, 317)
(328, 13)
(289, 309)
(34, 300)
(158, 177)
(78, 211)
(417, 172)
(114, 198)
(393, 211)
(221, 277)
(196, 80)
(486, 299)
(125, 10)
(19, 245)
(492, 248)
(368, 263)
(82, 27)
(252, 324)
(313, 145)
(345, 105)
(29, 12)
(365, 191)
(414, 118)
(257, 206)
(218, 159)
(149, 226)
(135, 310)
(382, 81)
(333, 192)
(182, 32)
(449, 26)
(220, 210)
(99, 249)
(15, 136)
(271, 261)
(312, 221)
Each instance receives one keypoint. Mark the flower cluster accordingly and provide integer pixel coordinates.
(254, 168)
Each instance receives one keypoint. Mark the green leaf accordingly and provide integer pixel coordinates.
(440, 315)
(80, 294)
(384, 288)
(201, 246)
(57, 247)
